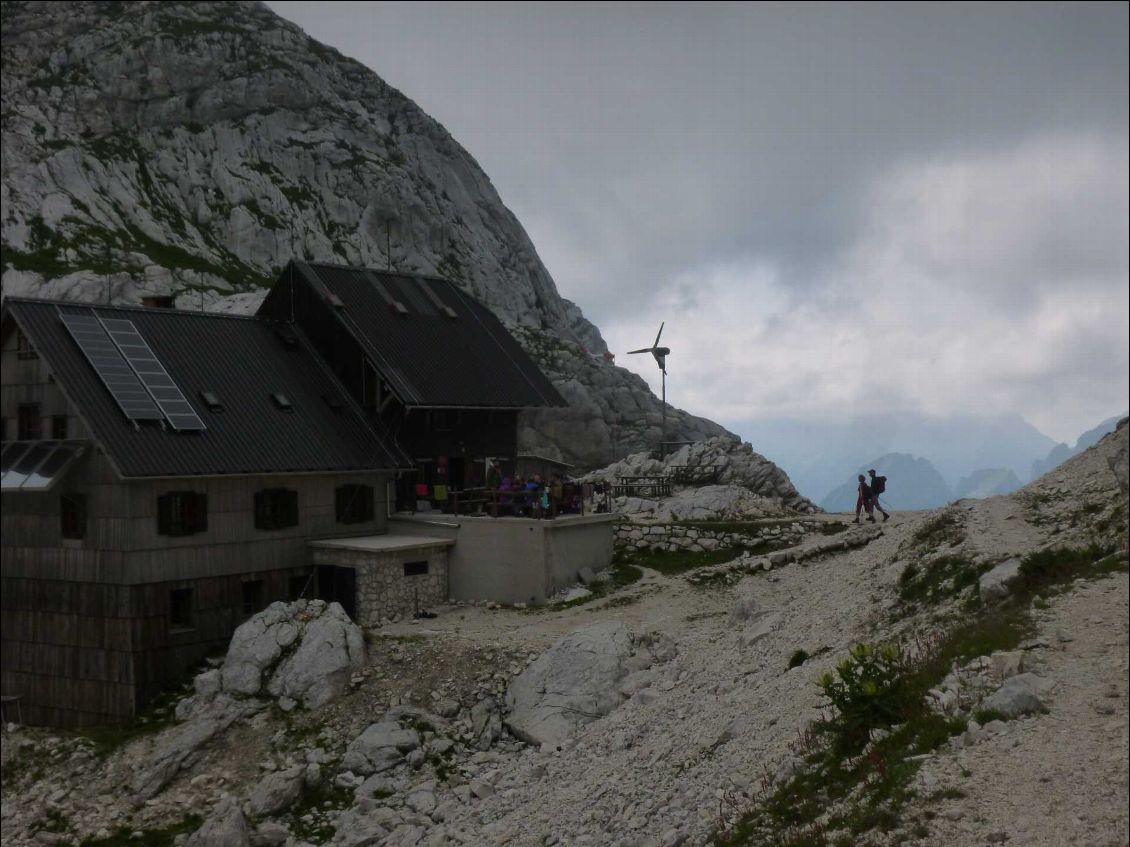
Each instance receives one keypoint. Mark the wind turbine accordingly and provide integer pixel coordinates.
(660, 354)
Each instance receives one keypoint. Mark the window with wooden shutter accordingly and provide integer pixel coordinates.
(354, 503)
(276, 508)
(182, 513)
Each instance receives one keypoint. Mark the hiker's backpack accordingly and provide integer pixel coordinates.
(878, 485)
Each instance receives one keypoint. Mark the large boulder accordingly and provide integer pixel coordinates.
(995, 584)
(330, 648)
(379, 748)
(573, 683)
(276, 792)
(303, 651)
(225, 827)
(1022, 694)
(256, 647)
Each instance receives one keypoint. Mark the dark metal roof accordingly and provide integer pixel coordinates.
(243, 361)
(434, 344)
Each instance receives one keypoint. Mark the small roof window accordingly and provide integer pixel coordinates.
(212, 401)
(282, 402)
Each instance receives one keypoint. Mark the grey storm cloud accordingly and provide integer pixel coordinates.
(788, 178)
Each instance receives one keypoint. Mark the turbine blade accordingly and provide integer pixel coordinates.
(644, 350)
(661, 325)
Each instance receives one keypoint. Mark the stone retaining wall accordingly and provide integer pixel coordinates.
(671, 537)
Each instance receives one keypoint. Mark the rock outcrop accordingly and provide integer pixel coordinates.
(300, 653)
(722, 478)
(578, 680)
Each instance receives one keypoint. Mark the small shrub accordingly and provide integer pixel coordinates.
(939, 580)
(984, 716)
(946, 528)
(869, 690)
(1063, 564)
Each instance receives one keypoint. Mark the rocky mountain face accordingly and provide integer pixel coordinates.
(193, 149)
(1061, 452)
(912, 483)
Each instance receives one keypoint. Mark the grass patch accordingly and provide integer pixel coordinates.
(681, 561)
(1062, 565)
(23, 768)
(52, 821)
(946, 528)
(165, 836)
(939, 580)
(984, 716)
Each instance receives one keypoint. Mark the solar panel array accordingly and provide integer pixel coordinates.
(130, 370)
(165, 393)
(107, 360)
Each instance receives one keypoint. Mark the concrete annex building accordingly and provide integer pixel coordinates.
(167, 473)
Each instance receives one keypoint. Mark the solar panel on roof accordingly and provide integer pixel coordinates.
(37, 465)
(169, 399)
(111, 366)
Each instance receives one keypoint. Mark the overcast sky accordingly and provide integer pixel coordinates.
(835, 208)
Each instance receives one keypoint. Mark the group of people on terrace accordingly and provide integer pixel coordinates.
(533, 497)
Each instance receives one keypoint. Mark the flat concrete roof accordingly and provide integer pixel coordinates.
(383, 543)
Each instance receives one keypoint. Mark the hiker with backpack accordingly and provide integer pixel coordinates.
(863, 501)
(878, 486)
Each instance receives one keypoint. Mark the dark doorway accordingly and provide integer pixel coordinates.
(339, 585)
(456, 473)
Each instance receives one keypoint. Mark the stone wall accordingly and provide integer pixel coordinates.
(671, 537)
(384, 590)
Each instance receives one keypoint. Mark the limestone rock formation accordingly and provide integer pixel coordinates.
(225, 827)
(300, 653)
(721, 478)
(582, 677)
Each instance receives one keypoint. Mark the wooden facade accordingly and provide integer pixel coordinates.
(92, 627)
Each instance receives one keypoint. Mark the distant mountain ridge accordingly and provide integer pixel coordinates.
(912, 483)
(819, 456)
(988, 482)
